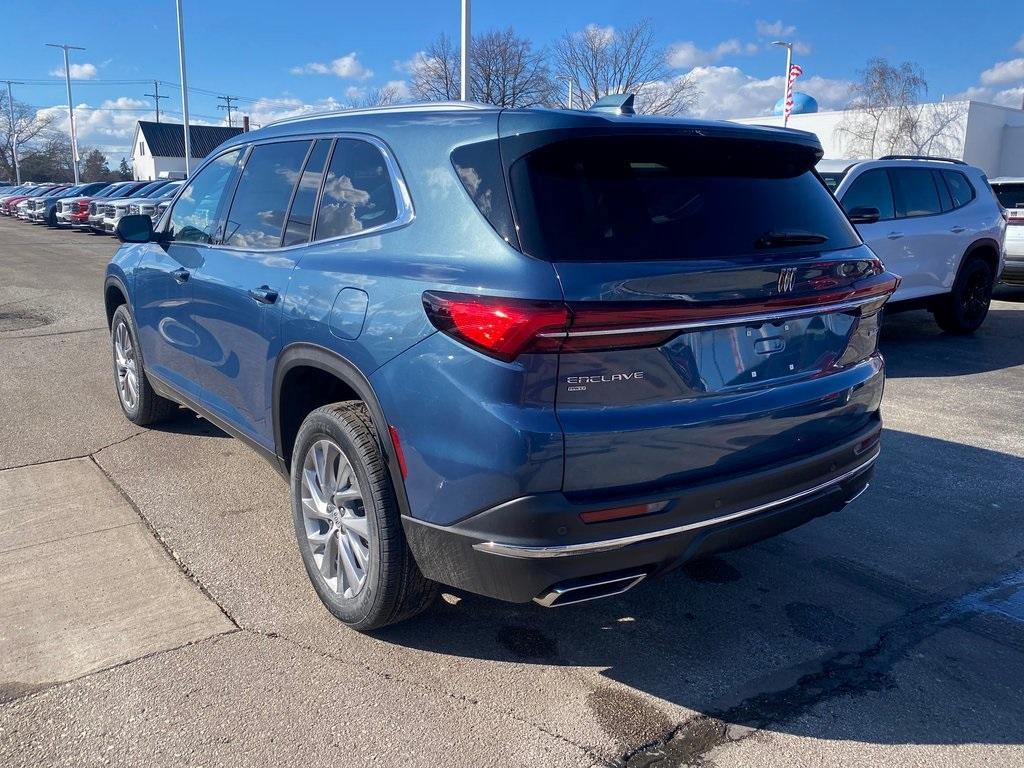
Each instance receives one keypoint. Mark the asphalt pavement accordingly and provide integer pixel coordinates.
(154, 611)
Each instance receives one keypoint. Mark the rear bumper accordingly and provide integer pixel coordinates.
(520, 550)
(1013, 269)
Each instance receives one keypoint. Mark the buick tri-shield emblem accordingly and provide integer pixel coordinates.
(786, 279)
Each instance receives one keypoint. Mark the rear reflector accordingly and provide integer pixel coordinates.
(506, 328)
(399, 453)
(621, 513)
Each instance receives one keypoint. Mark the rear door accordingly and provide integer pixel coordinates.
(714, 287)
(929, 247)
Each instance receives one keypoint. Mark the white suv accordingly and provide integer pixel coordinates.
(934, 222)
(1010, 192)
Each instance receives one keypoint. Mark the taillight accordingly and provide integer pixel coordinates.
(506, 328)
(502, 328)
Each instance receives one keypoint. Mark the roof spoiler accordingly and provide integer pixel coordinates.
(615, 103)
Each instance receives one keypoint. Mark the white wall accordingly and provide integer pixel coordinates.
(148, 168)
(988, 136)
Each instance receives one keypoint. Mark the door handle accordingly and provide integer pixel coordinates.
(958, 229)
(894, 235)
(181, 275)
(264, 294)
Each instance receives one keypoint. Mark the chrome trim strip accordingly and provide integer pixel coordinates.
(588, 547)
(758, 317)
(550, 598)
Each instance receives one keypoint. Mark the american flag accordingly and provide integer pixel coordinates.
(794, 72)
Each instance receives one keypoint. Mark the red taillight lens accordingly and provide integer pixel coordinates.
(621, 513)
(502, 328)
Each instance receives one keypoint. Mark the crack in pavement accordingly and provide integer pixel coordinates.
(55, 333)
(89, 455)
(838, 675)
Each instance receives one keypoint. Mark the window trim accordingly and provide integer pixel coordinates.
(406, 214)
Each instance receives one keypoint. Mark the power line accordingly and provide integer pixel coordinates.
(156, 97)
(227, 105)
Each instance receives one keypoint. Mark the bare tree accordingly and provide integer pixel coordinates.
(27, 126)
(883, 109)
(378, 97)
(506, 71)
(599, 61)
(935, 129)
(435, 71)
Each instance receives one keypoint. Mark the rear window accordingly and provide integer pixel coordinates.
(643, 198)
(1009, 195)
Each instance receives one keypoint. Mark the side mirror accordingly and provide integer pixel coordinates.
(136, 228)
(864, 215)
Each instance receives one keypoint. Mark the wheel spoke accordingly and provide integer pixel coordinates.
(361, 552)
(353, 575)
(357, 525)
(312, 509)
(313, 486)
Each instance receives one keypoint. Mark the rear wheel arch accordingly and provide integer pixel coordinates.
(308, 376)
(986, 249)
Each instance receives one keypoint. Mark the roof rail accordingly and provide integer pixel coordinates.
(923, 157)
(425, 106)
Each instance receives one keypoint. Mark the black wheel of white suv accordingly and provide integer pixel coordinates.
(139, 402)
(347, 522)
(964, 309)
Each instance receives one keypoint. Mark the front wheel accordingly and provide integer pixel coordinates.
(964, 309)
(140, 404)
(347, 522)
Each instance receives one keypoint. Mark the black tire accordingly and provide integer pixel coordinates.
(964, 309)
(394, 588)
(149, 407)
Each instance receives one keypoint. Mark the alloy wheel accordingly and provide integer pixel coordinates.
(127, 367)
(334, 517)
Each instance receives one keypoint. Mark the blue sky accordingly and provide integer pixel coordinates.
(263, 51)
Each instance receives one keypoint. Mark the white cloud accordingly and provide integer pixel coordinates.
(347, 67)
(1019, 45)
(1004, 72)
(775, 29)
(728, 92)
(78, 71)
(686, 54)
(109, 127)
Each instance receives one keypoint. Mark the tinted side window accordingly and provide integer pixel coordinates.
(300, 218)
(959, 187)
(479, 169)
(264, 191)
(871, 190)
(915, 192)
(194, 216)
(358, 194)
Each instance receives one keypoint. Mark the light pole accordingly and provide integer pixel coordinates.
(785, 82)
(569, 81)
(14, 131)
(464, 89)
(184, 88)
(71, 104)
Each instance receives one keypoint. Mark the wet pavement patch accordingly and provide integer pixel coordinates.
(23, 320)
(628, 718)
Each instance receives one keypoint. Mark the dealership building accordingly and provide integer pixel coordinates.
(985, 135)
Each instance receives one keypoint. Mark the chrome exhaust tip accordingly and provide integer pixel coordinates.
(591, 588)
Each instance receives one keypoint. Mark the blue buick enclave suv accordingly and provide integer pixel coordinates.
(533, 354)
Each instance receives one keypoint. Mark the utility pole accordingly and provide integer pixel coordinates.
(569, 81)
(14, 132)
(184, 88)
(156, 97)
(466, 40)
(71, 104)
(227, 105)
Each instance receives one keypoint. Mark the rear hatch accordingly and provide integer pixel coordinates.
(1011, 197)
(723, 311)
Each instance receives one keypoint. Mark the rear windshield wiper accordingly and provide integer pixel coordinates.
(778, 239)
